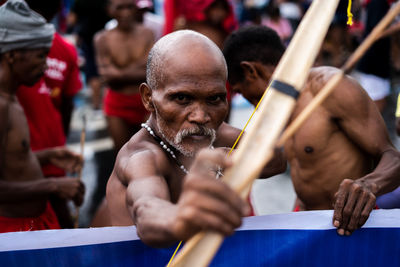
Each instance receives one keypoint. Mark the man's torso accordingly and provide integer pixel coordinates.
(127, 48)
(20, 163)
(320, 154)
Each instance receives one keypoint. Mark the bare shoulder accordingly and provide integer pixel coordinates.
(140, 157)
(142, 29)
(319, 76)
(348, 99)
(100, 37)
(347, 95)
(226, 135)
(145, 32)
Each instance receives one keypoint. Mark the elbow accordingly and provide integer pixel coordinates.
(151, 231)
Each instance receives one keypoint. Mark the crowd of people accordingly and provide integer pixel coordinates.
(161, 80)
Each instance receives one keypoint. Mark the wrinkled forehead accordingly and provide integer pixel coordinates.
(194, 58)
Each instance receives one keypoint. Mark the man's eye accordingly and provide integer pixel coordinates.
(181, 98)
(216, 98)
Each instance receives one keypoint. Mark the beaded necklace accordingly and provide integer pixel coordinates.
(164, 146)
(218, 172)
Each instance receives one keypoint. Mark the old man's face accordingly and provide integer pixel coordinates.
(191, 103)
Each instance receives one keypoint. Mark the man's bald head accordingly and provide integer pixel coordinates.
(185, 50)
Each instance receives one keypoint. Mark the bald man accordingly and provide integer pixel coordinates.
(164, 180)
(25, 39)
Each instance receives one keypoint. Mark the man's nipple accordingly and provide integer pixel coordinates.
(309, 149)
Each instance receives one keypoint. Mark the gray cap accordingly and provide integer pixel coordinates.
(23, 28)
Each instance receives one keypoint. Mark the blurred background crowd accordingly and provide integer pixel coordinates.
(80, 101)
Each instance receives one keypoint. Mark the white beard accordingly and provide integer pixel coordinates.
(177, 141)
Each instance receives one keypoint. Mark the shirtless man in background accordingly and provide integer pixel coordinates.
(342, 154)
(24, 192)
(161, 182)
(121, 57)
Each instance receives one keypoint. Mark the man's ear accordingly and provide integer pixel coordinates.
(145, 93)
(249, 70)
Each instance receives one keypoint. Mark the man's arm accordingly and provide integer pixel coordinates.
(361, 121)
(112, 74)
(67, 188)
(204, 203)
(60, 157)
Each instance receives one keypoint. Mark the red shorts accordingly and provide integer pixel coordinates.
(47, 220)
(127, 107)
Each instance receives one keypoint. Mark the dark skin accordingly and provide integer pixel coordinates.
(23, 189)
(121, 54)
(342, 156)
(147, 186)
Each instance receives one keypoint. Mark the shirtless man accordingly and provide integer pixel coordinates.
(121, 56)
(24, 192)
(342, 155)
(161, 182)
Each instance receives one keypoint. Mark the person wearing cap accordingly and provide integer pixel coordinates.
(48, 104)
(121, 55)
(25, 39)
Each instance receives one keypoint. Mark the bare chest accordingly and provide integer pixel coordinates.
(19, 161)
(315, 136)
(125, 49)
(18, 140)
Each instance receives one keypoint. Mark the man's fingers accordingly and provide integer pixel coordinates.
(356, 214)
(218, 189)
(207, 161)
(215, 206)
(341, 198)
(367, 210)
(348, 209)
(199, 219)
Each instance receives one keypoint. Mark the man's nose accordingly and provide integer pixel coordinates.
(199, 115)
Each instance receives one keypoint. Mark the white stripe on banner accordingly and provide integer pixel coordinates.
(293, 239)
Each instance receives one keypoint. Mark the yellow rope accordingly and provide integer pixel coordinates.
(173, 255)
(349, 14)
(237, 140)
(248, 121)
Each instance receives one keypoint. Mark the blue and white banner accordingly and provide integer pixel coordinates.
(293, 239)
